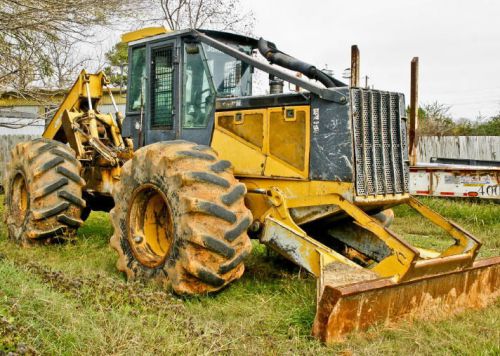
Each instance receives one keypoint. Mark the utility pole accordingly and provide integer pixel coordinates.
(413, 112)
(355, 66)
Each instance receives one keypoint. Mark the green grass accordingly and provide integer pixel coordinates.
(481, 219)
(70, 299)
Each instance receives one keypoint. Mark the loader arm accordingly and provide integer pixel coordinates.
(83, 99)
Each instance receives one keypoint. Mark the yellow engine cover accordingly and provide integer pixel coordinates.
(271, 142)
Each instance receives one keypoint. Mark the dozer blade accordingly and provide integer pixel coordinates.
(399, 281)
(356, 306)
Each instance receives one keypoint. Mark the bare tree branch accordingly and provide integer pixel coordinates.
(39, 41)
(29, 30)
(210, 14)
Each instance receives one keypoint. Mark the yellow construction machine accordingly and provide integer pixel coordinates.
(311, 173)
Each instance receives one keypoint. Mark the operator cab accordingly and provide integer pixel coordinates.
(211, 88)
(174, 81)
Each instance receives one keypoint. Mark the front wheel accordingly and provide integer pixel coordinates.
(179, 217)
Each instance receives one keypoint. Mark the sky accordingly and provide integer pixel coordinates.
(457, 42)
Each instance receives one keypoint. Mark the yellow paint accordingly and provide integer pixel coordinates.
(245, 159)
(269, 149)
(310, 252)
(264, 142)
(150, 226)
(143, 33)
(277, 168)
(288, 139)
(378, 199)
(75, 139)
(304, 190)
(74, 97)
(75, 106)
(272, 199)
(101, 179)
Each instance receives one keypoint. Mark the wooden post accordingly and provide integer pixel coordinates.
(413, 112)
(354, 66)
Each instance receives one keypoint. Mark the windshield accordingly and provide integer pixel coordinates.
(231, 76)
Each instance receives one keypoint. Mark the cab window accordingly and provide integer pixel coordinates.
(231, 76)
(199, 91)
(137, 88)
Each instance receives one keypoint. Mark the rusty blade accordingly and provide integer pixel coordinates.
(343, 309)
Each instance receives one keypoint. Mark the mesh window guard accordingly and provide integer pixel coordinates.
(162, 85)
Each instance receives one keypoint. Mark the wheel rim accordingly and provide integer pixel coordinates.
(19, 199)
(151, 228)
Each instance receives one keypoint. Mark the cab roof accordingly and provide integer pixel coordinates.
(218, 35)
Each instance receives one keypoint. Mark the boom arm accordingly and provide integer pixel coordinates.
(78, 123)
(84, 95)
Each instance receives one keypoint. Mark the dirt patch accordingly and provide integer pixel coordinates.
(339, 274)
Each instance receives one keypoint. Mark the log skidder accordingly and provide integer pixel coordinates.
(319, 164)
(43, 192)
(179, 217)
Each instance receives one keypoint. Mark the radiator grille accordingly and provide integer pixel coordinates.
(380, 148)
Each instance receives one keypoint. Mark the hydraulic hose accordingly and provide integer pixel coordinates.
(275, 56)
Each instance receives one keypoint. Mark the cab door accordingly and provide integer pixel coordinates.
(162, 119)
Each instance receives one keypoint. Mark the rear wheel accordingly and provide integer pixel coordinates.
(180, 218)
(43, 192)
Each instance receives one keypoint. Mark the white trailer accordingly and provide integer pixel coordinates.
(451, 180)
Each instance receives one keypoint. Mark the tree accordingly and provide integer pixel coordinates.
(435, 119)
(39, 40)
(220, 15)
(30, 28)
(480, 127)
(117, 58)
(490, 127)
(66, 62)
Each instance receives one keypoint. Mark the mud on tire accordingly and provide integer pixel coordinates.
(43, 192)
(180, 218)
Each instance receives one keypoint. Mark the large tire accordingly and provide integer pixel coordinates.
(43, 192)
(180, 218)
